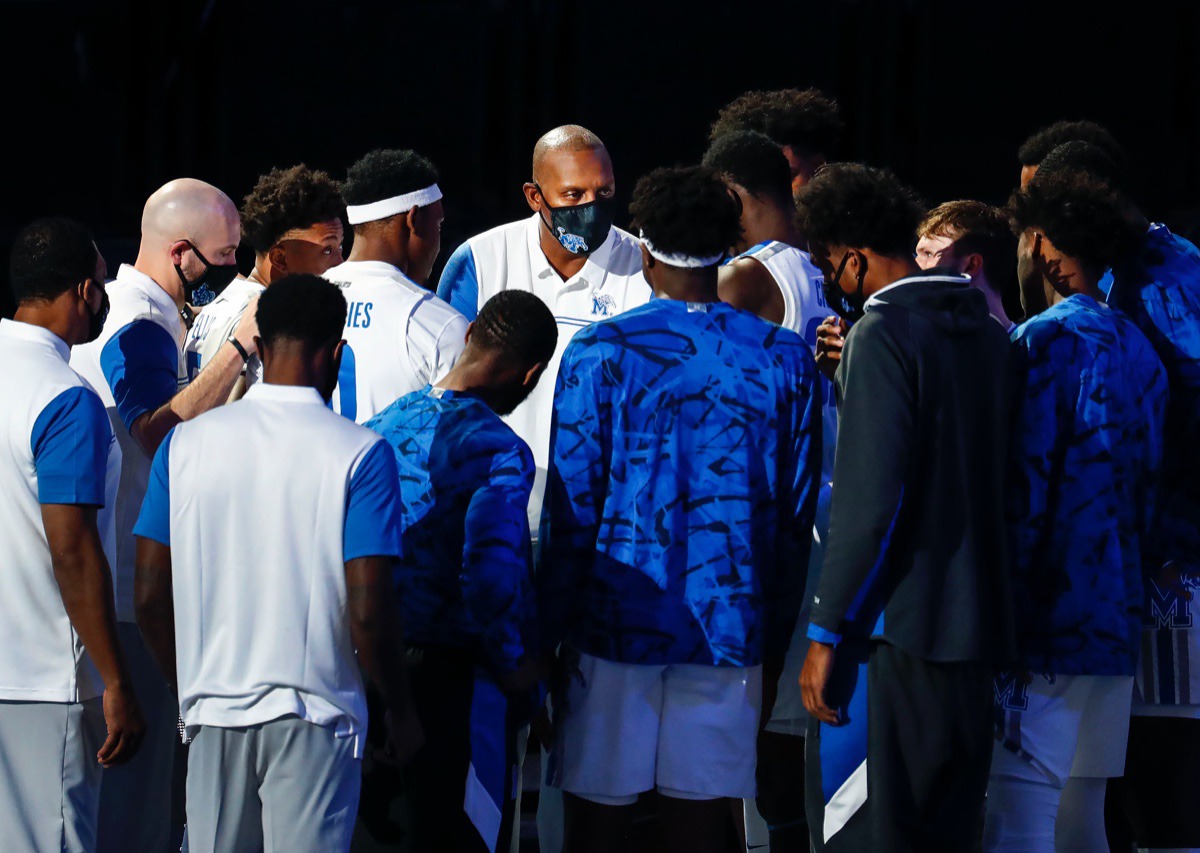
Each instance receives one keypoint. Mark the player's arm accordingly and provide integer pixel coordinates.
(496, 567)
(876, 424)
(576, 484)
(459, 284)
(153, 593)
(70, 443)
(212, 386)
(747, 284)
(371, 544)
(447, 347)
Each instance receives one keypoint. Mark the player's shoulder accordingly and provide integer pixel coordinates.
(625, 257)
(508, 231)
(438, 311)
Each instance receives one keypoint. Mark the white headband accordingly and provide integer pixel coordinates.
(360, 213)
(685, 261)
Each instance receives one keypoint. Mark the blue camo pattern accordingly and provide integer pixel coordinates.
(684, 470)
(465, 478)
(1087, 444)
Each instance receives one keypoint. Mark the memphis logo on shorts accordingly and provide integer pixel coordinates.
(603, 305)
(572, 242)
(1167, 608)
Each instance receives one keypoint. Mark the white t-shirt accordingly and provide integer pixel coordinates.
(400, 337)
(135, 366)
(216, 322)
(510, 258)
(261, 624)
(55, 448)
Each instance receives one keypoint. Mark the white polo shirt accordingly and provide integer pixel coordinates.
(135, 366)
(262, 503)
(399, 338)
(510, 258)
(55, 445)
(215, 323)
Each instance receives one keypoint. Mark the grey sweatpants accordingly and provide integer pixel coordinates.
(49, 776)
(283, 785)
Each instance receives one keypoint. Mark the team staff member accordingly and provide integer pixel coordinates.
(399, 336)
(776, 280)
(60, 653)
(464, 580)
(571, 256)
(189, 235)
(293, 219)
(266, 662)
(676, 532)
(913, 609)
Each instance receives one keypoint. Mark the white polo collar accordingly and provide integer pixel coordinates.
(35, 335)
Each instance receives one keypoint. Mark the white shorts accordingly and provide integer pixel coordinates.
(686, 729)
(1063, 726)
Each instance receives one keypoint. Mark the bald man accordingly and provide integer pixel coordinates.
(190, 230)
(570, 255)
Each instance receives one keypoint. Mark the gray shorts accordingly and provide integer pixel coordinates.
(283, 785)
(49, 776)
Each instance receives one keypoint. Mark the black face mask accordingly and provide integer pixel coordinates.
(582, 228)
(849, 307)
(211, 282)
(97, 318)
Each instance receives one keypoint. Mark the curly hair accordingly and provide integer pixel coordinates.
(849, 204)
(285, 199)
(686, 210)
(754, 162)
(805, 120)
(1034, 150)
(1082, 217)
(519, 324)
(387, 172)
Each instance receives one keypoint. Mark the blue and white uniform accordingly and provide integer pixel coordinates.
(399, 336)
(465, 591)
(55, 446)
(137, 365)
(510, 258)
(1158, 287)
(684, 475)
(1086, 451)
(216, 322)
(264, 657)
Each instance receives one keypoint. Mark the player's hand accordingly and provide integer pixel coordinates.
(831, 338)
(247, 327)
(405, 737)
(814, 681)
(125, 724)
(541, 729)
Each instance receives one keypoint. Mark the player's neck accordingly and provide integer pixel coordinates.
(687, 285)
(773, 224)
(565, 263)
(368, 247)
(45, 315)
(477, 374)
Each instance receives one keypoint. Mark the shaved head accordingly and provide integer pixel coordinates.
(568, 138)
(187, 209)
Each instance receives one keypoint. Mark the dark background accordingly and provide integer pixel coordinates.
(107, 100)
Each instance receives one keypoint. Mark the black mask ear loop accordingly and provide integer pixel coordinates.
(862, 277)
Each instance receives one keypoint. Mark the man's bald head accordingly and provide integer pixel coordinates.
(181, 221)
(568, 138)
(188, 209)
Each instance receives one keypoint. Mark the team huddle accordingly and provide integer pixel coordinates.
(288, 549)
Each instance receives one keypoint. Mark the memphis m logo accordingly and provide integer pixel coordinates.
(1011, 691)
(1167, 608)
